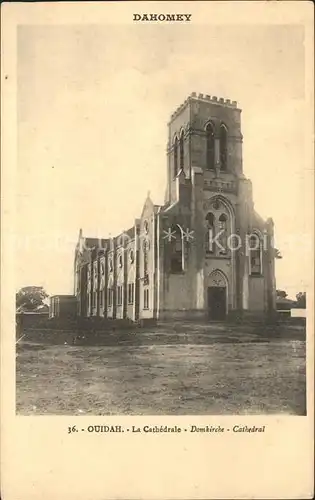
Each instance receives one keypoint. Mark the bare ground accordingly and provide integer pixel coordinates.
(193, 371)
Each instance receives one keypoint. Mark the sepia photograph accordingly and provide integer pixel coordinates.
(157, 253)
(158, 270)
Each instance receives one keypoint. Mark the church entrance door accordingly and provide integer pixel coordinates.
(217, 302)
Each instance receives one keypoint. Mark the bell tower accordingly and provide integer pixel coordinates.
(204, 132)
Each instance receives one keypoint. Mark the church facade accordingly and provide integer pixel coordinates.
(205, 252)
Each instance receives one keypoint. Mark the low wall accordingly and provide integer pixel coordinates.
(31, 320)
(78, 324)
(272, 318)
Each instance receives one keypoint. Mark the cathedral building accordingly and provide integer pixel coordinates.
(205, 253)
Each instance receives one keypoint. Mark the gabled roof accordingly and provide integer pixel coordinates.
(91, 242)
(128, 232)
(148, 203)
(95, 242)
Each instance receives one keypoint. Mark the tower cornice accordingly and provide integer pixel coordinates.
(218, 101)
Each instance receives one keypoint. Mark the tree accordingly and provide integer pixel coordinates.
(301, 300)
(30, 298)
(281, 294)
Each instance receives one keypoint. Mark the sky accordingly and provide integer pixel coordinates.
(93, 106)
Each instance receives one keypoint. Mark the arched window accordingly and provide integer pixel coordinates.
(145, 262)
(175, 156)
(210, 219)
(110, 294)
(110, 264)
(132, 256)
(77, 285)
(102, 274)
(89, 278)
(102, 284)
(210, 232)
(222, 221)
(210, 146)
(120, 261)
(181, 150)
(255, 256)
(176, 250)
(223, 234)
(223, 147)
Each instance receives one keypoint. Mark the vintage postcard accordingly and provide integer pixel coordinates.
(157, 284)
